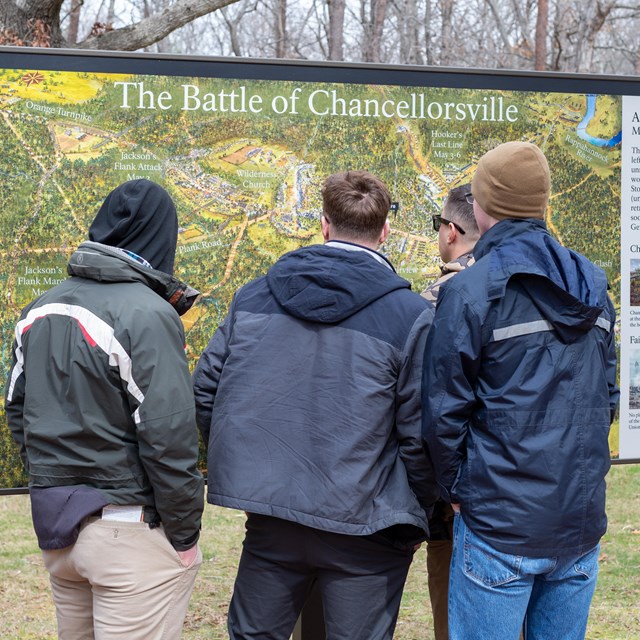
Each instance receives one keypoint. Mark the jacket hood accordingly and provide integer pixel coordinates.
(327, 284)
(139, 216)
(96, 261)
(569, 291)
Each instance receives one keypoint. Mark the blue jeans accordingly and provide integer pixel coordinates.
(491, 592)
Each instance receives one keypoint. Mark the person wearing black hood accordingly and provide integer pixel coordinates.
(309, 398)
(99, 399)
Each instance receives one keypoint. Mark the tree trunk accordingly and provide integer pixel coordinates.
(408, 32)
(446, 34)
(602, 11)
(373, 28)
(74, 21)
(428, 42)
(495, 10)
(280, 29)
(542, 30)
(37, 23)
(379, 10)
(32, 21)
(336, 29)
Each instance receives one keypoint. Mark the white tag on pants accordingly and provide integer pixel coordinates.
(123, 513)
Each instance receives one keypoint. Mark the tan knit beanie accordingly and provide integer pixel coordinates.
(512, 181)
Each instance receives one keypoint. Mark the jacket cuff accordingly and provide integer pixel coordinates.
(187, 543)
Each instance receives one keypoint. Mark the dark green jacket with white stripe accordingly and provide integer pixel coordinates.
(519, 391)
(99, 392)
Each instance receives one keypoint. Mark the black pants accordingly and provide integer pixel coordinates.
(360, 579)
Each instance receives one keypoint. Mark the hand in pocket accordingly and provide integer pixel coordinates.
(188, 557)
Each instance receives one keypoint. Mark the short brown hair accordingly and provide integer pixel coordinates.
(356, 203)
(457, 209)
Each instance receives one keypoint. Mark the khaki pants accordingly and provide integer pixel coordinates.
(438, 561)
(120, 580)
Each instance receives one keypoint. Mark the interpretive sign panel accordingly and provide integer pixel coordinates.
(243, 147)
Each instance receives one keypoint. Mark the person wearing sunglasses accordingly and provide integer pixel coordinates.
(457, 235)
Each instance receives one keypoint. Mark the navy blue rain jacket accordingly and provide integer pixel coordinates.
(520, 390)
(309, 395)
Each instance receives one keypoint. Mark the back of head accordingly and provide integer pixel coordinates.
(457, 209)
(513, 181)
(139, 216)
(357, 204)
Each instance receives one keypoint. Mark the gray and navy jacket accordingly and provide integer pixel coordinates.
(520, 390)
(99, 396)
(309, 395)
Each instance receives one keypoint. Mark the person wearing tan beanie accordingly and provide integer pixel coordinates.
(519, 391)
(512, 181)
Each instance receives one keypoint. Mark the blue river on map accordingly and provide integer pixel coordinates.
(582, 127)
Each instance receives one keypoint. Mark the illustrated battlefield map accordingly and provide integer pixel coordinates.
(244, 161)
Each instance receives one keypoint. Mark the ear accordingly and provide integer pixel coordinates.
(452, 234)
(384, 234)
(324, 223)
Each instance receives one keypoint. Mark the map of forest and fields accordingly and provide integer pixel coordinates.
(244, 161)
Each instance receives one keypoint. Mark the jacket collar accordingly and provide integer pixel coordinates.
(352, 246)
(101, 262)
(459, 264)
(505, 230)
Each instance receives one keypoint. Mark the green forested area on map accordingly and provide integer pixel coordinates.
(247, 185)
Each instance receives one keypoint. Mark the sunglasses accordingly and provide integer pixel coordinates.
(439, 220)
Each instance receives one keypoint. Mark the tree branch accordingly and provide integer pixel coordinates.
(154, 28)
(499, 24)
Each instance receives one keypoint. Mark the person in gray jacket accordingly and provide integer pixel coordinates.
(99, 399)
(309, 398)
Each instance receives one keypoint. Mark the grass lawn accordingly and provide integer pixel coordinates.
(27, 612)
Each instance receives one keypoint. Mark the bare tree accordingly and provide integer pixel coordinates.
(74, 21)
(373, 15)
(542, 31)
(427, 31)
(233, 21)
(579, 29)
(447, 42)
(404, 27)
(569, 35)
(280, 28)
(37, 22)
(336, 29)
(499, 22)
